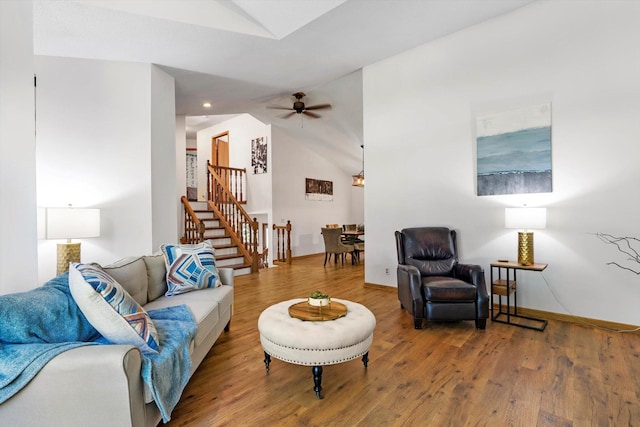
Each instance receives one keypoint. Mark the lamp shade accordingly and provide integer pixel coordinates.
(72, 223)
(525, 218)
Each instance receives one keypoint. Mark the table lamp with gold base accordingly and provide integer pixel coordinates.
(525, 218)
(70, 223)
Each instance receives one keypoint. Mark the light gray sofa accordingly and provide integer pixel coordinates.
(101, 385)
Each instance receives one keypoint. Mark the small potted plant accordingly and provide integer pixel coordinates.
(319, 299)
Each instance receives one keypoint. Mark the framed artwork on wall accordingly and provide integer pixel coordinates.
(514, 151)
(317, 189)
(259, 155)
(192, 174)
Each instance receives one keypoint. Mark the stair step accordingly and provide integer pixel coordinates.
(218, 241)
(228, 260)
(227, 254)
(240, 269)
(215, 233)
(230, 250)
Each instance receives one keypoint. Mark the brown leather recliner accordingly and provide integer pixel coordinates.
(432, 284)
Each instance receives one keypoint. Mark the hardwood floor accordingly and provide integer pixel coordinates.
(442, 375)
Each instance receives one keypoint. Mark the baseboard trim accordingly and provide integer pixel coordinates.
(306, 256)
(549, 315)
(380, 287)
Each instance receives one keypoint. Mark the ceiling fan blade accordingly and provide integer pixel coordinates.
(278, 107)
(312, 115)
(286, 116)
(319, 107)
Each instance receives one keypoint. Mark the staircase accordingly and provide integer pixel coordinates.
(226, 252)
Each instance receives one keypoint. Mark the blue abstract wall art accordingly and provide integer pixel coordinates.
(514, 151)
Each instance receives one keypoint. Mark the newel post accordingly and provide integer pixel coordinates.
(254, 245)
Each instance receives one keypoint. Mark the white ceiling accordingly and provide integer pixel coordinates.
(243, 54)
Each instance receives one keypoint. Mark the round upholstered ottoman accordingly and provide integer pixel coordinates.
(316, 343)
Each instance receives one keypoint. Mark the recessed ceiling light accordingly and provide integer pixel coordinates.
(206, 105)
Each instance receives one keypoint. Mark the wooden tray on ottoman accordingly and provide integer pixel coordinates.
(304, 311)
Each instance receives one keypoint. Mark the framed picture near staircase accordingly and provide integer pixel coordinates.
(259, 155)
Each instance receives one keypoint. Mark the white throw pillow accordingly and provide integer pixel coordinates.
(110, 309)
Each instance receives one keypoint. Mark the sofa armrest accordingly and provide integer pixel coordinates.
(85, 386)
(410, 289)
(226, 275)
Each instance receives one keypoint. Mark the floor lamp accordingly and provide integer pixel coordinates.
(70, 223)
(525, 218)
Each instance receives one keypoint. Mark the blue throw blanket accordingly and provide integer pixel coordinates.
(167, 372)
(37, 325)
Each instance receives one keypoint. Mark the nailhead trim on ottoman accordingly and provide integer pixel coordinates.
(316, 343)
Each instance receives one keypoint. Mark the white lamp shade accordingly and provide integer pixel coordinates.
(535, 218)
(72, 223)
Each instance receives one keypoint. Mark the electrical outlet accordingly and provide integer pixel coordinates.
(386, 271)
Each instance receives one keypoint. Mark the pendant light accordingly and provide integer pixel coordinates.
(358, 180)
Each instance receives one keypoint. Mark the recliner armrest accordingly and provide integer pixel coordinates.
(410, 289)
(470, 273)
(474, 274)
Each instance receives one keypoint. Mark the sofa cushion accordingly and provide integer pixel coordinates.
(131, 273)
(110, 309)
(442, 288)
(206, 306)
(190, 267)
(156, 276)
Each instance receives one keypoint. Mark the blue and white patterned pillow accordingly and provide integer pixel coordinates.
(110, 309)
(190, 267)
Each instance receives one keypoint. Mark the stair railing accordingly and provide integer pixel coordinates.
(235, 180)
(193, 227)
(241, 228)
(283, 240)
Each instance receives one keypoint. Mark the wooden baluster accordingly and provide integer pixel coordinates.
(239, 186)
(254, 243)
(209, 182)
(288, 242)
(233, 183)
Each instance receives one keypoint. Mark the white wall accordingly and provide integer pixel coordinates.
(581, 56)
(18, 249)
(242, 129)
(293, 162)
(101, 142)
(279, 194)
(165, 192)
(258, 192)
(181, 166)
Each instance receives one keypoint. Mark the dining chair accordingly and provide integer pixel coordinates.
(333, 245)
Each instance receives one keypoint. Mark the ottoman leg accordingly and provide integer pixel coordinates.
(317, 380)
(365, 359)
(267, 360)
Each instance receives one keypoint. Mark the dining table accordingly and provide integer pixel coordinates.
(352, 236)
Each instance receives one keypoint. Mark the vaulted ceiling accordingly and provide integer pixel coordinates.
(241, 55)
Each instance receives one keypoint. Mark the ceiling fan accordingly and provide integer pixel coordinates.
(300, 108)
